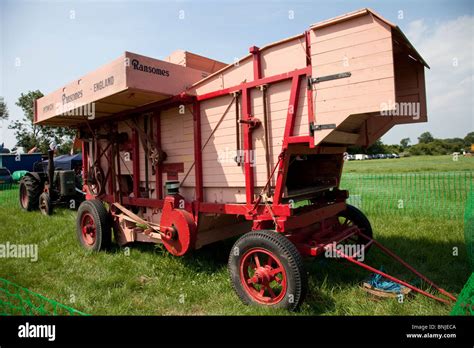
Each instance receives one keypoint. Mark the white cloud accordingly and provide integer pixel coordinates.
(416, 29)
(448, 48)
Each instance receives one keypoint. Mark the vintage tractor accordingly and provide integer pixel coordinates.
(44, 189)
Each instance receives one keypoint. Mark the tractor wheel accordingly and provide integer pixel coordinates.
(353, 216)
(93, 227)
(266, 269)
(45, 205)
(30, 190)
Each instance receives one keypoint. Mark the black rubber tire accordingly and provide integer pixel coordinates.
(32, 188)
(357, 217)
(287, 254)
(44, 204)
(101, 219)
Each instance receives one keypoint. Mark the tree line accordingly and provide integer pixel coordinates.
(427, 145)
(33, 137)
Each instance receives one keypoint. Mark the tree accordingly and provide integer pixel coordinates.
(404, 142)
(425, 138)
(29, 135)
(469, 139)
(3, 110)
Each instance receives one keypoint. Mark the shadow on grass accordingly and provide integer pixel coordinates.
(433, 259)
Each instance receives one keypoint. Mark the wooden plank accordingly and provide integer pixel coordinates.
(371, 34)
(339, 137)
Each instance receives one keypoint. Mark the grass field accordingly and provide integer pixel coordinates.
(145, 279)
(411, 164)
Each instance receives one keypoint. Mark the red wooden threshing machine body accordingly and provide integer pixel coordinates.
(189, 151)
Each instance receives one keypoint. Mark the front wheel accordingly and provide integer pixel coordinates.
(45, 205)
(93, 228)
(266, 269)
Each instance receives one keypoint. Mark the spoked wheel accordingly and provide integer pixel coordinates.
(263, 276)
(45, 205)
(353, 216)
(89, 229)
(93, 228)
(266, 269)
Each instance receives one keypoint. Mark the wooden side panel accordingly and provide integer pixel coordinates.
(195, 61)
(149, 74)
(363, 47)
(410, 87)
(177, 141)
(101, 83)
(224, 180)
(283, 57)
(235, 75)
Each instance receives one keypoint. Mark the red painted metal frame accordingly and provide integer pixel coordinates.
(255, 83)
(394, 279)
(136, 164)
(198, 151)
(158, 169)
(249, 172)
(257, 66)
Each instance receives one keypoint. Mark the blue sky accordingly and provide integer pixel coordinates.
(46, 44)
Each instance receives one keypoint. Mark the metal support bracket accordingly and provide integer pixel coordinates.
(313, 80)
(318, 127)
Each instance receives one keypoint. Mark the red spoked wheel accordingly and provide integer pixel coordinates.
(89, 230)
(266, 269)
(93, 228)
(353, 216)
(263, 276)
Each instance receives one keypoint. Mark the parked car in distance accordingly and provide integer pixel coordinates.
(6, 179)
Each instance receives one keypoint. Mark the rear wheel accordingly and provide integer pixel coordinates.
(266, 269)
(93, 228)
(30, 191)
(353, 216)
(45, 205)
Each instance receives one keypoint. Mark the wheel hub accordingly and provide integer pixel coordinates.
(263, 276)
(88, 229)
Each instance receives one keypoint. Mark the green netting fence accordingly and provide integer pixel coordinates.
(9, 194)
(469, 228)
(440, 194)
(16, 300)
(465, 303)
(437, 194)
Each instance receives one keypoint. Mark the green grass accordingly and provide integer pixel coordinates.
(435, 194)
(411, 164)
(149, 281)
(146, 280)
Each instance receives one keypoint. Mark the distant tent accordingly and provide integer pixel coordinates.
(65, 162)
